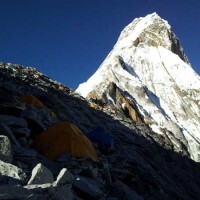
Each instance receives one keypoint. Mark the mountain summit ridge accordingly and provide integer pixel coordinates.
(151, 29)
(148, 74)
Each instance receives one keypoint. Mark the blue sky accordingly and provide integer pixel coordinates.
(68, 39)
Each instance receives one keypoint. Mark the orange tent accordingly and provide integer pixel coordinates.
(31, 100)
(64, 137)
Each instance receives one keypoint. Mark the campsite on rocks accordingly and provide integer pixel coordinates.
(131, 132)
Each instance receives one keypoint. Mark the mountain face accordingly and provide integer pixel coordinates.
(148, 78)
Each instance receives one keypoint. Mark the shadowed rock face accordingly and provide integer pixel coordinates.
(155, 83)
(123, 104)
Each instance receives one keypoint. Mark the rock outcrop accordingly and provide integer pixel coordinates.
(41, 175)
(5, 149)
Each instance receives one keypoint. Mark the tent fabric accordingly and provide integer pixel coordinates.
(100, 136)
(64, 137)
(31, 100)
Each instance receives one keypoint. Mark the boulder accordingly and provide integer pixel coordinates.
(12, 171)
(6, 180)
(66, 157)
(32, 192)
(5, 149)
(64, 177)
(63, 192)
(38, 187)
(91, 172)
(50, 191)
(21, 131)
(88, 186)
(41, 116)
(24, 142)
(13, 121)
(27, 153)
(14, 192)
(11, 109)
(41, 175)
(5, 130)
(7, 96)
(121, 191)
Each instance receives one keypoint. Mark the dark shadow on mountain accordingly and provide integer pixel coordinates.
(155, 100)
(152, 96)
(153, 172)
(127, 67)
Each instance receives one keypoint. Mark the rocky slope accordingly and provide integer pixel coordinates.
(147, 76)
(136, 168)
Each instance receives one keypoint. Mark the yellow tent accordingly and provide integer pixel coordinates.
(31, 100)
(64, 137)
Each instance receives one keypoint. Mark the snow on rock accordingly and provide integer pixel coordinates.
(150, 68)
(9, 170)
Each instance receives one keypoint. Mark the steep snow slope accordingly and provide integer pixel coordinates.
(148, 74)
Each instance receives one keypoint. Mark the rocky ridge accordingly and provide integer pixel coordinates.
(136, 168)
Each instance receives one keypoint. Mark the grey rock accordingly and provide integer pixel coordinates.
(41, 116)
(5, 130)
(88, 186)
(11, 109)
(25, 152)
(38, 187)
(121, 191)
(41, 175)
(32, 197)
(76, 171)
(64, 158)
(21, 131)
(12, 171)
(14, 192)
(90, 172)
(52, 191)
(24, 142)
(39, 196)
(63, 192)
(32, 192)
(14, 121)
(5, 149)
(6, 180)
(64, 177)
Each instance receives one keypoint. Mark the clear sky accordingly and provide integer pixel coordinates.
(68, 39)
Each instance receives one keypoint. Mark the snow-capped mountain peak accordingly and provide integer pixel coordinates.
(148, 77)
(151, 30)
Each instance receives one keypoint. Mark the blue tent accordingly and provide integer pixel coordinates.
(100, 136)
